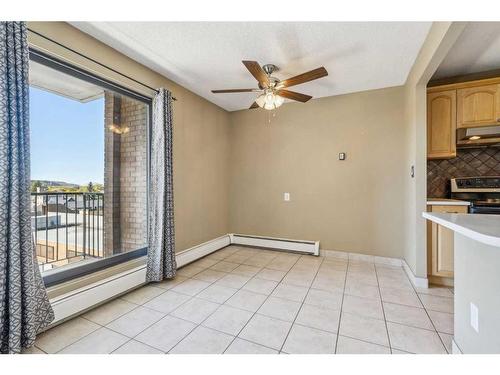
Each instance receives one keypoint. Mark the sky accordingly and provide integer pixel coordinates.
(67, 138)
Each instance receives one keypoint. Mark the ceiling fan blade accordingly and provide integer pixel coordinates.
(255, 69)
(233, 90)
(304, 77)
(294, 95)
(254, 105)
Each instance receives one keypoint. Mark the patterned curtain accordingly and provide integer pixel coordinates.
(161, 241)
(24, 305)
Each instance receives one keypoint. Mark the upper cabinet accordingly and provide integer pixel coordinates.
(478, 106)
(441, 124)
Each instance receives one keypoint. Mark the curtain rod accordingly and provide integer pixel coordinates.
(94, 61)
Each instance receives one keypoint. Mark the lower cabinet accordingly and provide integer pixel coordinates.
(440, 246)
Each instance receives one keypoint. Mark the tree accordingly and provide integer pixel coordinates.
(35, 185)
(90, 187)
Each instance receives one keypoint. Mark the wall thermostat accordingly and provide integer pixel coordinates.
(342, 156)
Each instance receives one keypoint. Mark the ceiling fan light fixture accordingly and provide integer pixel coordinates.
(269, 100)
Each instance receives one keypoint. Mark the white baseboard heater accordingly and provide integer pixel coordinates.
(299, 246)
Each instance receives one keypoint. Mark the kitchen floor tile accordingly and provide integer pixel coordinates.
(269, 274)
(436, 291)
(290, 292)
(195, 310)
(260, 286)
(67, 333)
(228, 319)
(217, 293)
(437, 303)
(371, 308)
(136, 347)
(407, 315)
(266, 331)
(246, 270)
(323, 298)
(446, 339)
(362, 328)
(414, 340)
(143, 294)
(203, 340)
(190, 287)
(400, 296)
(206, 262)
(190, 270)
(347, 345)
(166, 333)
(101, 341)
(280, 308)
(243, 299)
(330, 284)
(442, 321)
(233, 281)
(319, 318)
(224, 266)
(167, 301)
(135, 321)
(170, 283)
(359, 289)
(240, 346)
(306, 340)
(110, 311)
(210, 275)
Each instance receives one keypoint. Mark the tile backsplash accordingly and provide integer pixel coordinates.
(468, 163)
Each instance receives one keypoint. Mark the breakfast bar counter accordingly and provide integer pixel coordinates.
(477, 280)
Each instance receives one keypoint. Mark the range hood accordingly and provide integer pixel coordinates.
(478, 136)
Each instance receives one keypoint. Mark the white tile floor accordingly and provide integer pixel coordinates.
(245, 300)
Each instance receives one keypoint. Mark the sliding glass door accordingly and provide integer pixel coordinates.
(89, 168)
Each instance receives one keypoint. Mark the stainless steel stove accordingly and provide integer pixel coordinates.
(482, 192)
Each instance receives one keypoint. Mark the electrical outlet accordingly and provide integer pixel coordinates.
(474, 317)
(286, 197)
(342, 156)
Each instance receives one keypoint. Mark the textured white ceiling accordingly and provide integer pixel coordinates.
(476, 50)
(202, 56)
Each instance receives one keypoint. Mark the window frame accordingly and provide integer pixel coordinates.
(63, 275)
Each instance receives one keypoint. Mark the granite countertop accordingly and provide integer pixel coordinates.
(482, 228)
(446, 202)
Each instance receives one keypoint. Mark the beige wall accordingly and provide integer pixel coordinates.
(201, 133)
(353, 205)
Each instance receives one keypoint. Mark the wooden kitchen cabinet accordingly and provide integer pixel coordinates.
(478, 106)
(441, 124)
(440, 244)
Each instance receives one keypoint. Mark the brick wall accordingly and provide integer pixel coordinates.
(125, 167)
(468, 163)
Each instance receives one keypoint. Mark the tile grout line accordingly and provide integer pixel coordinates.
(301, 305)
(383, 312)
(341, 305)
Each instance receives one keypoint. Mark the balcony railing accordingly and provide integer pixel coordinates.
(67, 227)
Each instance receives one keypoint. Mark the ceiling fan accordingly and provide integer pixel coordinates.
(272, 90)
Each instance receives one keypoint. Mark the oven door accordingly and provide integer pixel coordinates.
(493, 210)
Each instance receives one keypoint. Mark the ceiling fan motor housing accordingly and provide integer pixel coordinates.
(270, 68)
